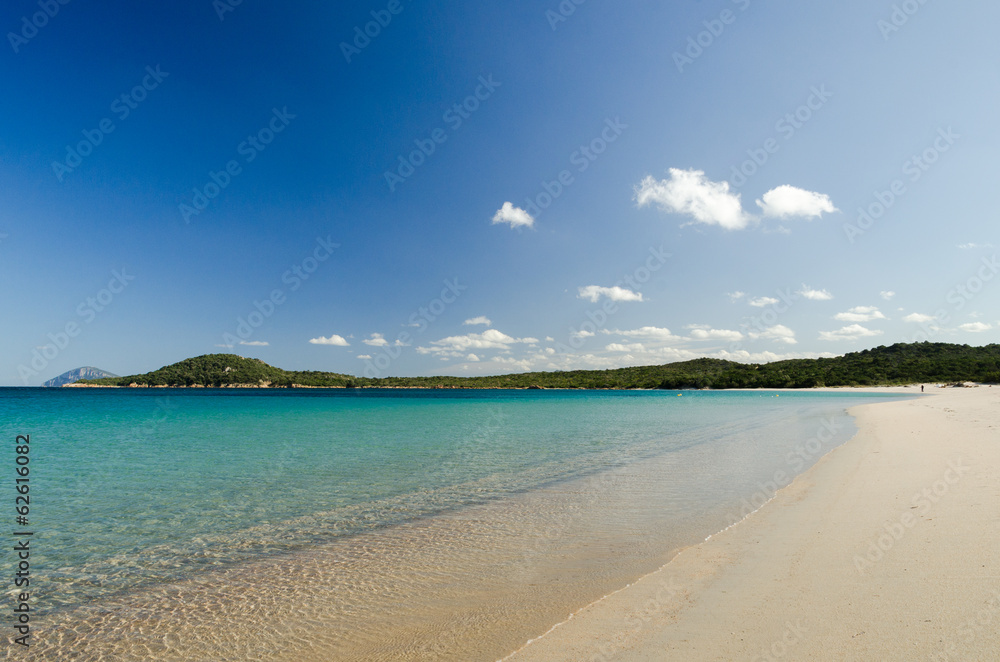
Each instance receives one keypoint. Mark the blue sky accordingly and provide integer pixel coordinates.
(472, 188)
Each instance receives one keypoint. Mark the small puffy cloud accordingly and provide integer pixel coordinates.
(777, 333)
(735, 296)
(971, 246)
(761, 302)
(852, 332)
(366, 357)
(699, 332)
(514, 216)
(594, 292)
(376, 340)
(254, 343)
(475, 321)
(918, 318)
(472, 357)
(334, 339)
(976, 327)
(690, 192)
(582, 333)
(887, 294)
(860, 314)
(814, 295)
(788, 201)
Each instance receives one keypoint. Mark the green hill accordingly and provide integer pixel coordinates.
(895, 364)
(224, 370)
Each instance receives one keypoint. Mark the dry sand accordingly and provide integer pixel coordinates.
(887, 549)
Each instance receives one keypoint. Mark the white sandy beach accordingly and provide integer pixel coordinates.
(887, 549)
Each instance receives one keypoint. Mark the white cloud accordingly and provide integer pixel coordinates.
(735, 296)
(919, 318)
(485, 321)
(334, 339)
(761, 302)
(777, 333)
(472, 357)
(618, 347)
(515, 216)
(887, 294)
(852, 332)
(815, 295)
(582, 333)
(254, 343)
(860, 314)
(653, 333)
(971, 246)
(595, 292)
(976, 327)
(458, 346)
(788, 201)
(366, 357)
(376, 340)
(701, 333)
(690, 192)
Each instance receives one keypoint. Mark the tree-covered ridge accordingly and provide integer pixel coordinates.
(223, 370)
(895, 364)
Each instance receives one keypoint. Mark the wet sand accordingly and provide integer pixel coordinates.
(888, 548)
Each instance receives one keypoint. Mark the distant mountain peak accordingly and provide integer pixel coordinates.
(86, 372)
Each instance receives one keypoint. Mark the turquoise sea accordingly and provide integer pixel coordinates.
(374, 524)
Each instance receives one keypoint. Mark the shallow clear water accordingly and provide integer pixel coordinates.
(369, 524)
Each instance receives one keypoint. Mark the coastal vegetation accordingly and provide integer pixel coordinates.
(897, 364)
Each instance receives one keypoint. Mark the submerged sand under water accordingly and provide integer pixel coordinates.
(473, 583)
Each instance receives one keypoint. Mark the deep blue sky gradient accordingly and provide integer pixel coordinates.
(324, 176)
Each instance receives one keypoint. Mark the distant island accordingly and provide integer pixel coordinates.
(902, 363)
(72, 376)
